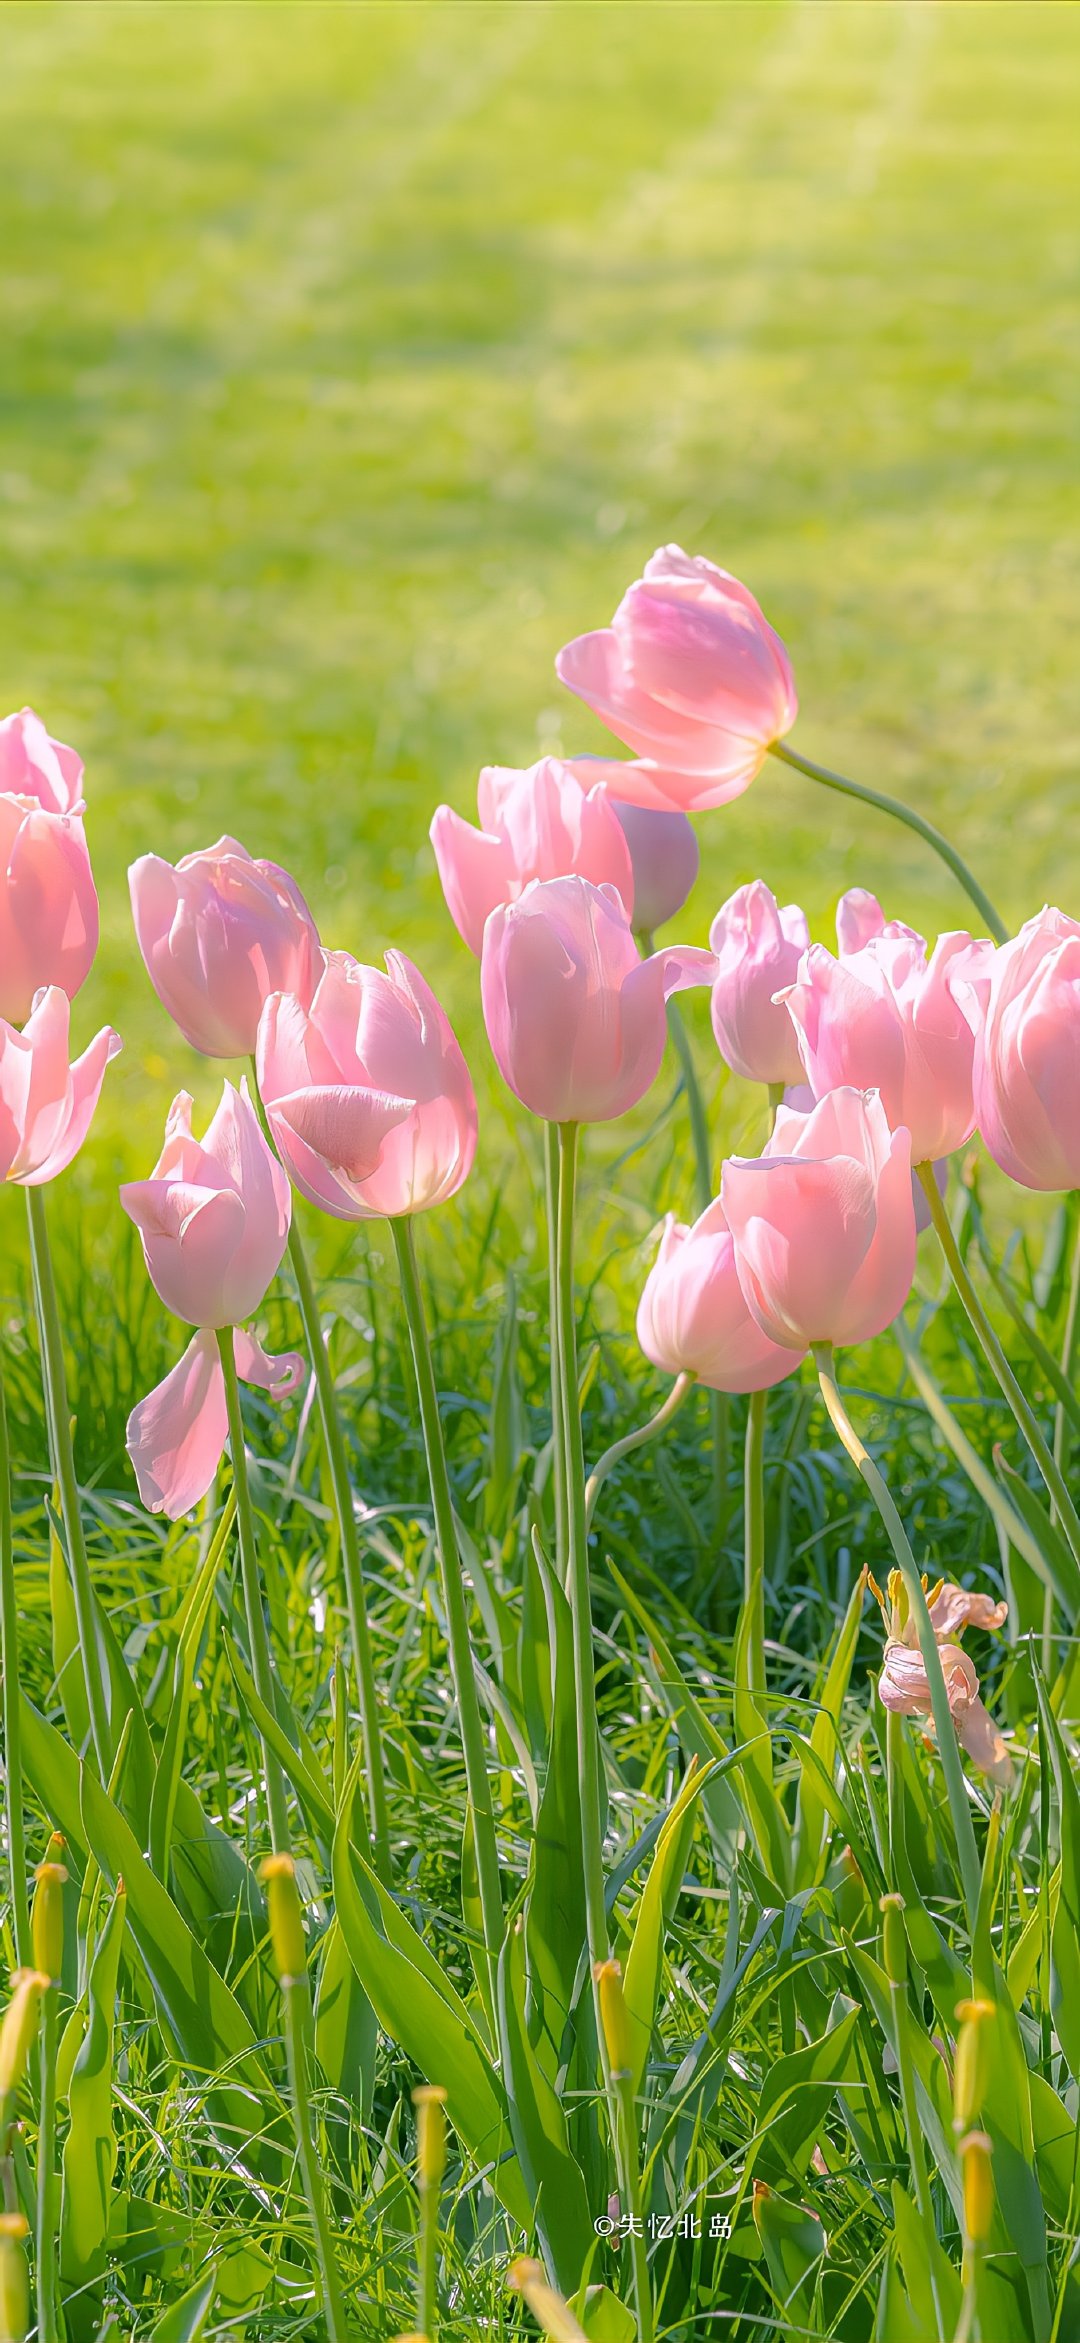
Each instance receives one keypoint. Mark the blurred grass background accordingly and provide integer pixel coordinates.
(355, 357)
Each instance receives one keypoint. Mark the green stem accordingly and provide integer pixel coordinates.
(911, 820)
(998, 1363)
(558, 1432)
(9, 1664)
(588, 1730)
(453, 1593)
(631, 2182)
(948, 1746)
(719, 1404)
(625, 1447)
(296, 2004)
(91, 1643)
(258, 1640)
(1061, 1424)
(48, 2319)
(905, 2068)
(427, 2258)
(754, 1546)
(337, 1458)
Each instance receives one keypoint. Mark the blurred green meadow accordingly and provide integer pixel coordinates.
(355, 357)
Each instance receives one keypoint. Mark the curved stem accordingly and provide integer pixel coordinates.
(948, 1746)
(998, 1363)
(625, 1447)
(338, 1461)
(911, 820)
(453, 1593)
(9, 1664)
(258, 1640)
(558, 1429)
(91, 1643)
(360, 1632)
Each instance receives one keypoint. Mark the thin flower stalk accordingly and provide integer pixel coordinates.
(911, 820)
(251, 1581)
(91, 1642)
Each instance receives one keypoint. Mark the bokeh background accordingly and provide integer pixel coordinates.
(354, 357)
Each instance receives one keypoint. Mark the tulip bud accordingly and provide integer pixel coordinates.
(19, 2027)
(287, 1940)
(14, 2285)
(893, 1939)
(429, 2100)
(47, 1916)
(549, 2310)
(975, 2154)
(849, 1894)
(971, 2074)
(613, 2017)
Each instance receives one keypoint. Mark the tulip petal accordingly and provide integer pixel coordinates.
(176, 1435)
(280, 1375)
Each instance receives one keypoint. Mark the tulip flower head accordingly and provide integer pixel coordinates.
(1027, 1058)
(219, 932)
(214, 1221)
(367, 1093)
(886, 1016)
(574, 1015)
(691, 676)
(758, 948)
(48, 900)
(538, 824)
(903, 1685)
(665, 860)
(47, 1103)
(692, 1317)
(823, 1223)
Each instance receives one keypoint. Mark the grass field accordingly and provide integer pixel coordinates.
(353, 359)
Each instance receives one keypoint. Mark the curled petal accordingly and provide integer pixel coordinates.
(280, 1375)
(176, 1435)
(955, 1607)
(986, 1747)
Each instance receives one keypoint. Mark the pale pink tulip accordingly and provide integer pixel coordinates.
(33, 765)
(904, 1687)
(574, 1015)
(1027, 1057)
(758, 947)
(859, 918)
(368, 1095)
(46, 1103)
(536, 824)
(887, 1018)
(219, 933)
(665, 859)
(176, 1436)
(692, 1318)
(48, 904)
(823, 1222)
(693, 679)
(214, 1213)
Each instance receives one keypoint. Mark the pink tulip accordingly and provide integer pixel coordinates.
(213, 1215)
(1027, 1057)
(176, 1436)
(33, 765)
(692, 1318)
(904, 1687)
(665, 859)
(691, 677)
(368, 1095)
(219, 933)
(48, 904)
(859, 918)
(537, 824)
(46, 1103)
(823, 1223)
(758, 947)
(574, 1016)
(885, 1017)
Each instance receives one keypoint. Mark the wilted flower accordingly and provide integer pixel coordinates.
(904, 1686)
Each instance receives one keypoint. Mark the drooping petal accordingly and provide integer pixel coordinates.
(176, 1435)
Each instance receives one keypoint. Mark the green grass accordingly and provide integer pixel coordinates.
(354, 358)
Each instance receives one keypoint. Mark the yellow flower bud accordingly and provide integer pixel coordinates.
(429, 2100)
(551, 2313)
(287, 1940)
(971, 2076)
(14, 2282)
(893, 1939)
(613, 2017)
(19, 2027)
(975, 2154)
(47, 1916)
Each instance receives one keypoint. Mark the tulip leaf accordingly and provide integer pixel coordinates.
(826, 1743)
(555, 1913)
(311, 1788)
(185, 2320)
(1065, 1932)
(700, 1738)
(89, 2159)
(644, 1962)
(538, 2125)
